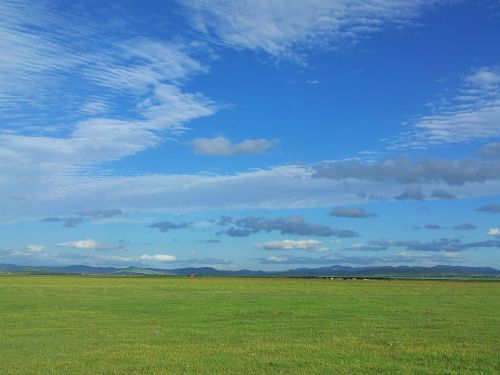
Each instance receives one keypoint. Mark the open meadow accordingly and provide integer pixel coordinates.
(174, 325)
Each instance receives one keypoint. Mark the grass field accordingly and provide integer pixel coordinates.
(93, 325)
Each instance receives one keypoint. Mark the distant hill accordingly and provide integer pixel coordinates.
(442, 271)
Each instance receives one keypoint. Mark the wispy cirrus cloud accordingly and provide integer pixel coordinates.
(52, 165)
(47, 56)
(472, 113)
(60, 53)
(99, 140)
(31, 53)
(286, 29)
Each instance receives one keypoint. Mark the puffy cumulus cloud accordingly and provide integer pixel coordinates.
(351, 212)
(442, 194)
(411, 193)
(221, 146)
(236, 232)
(443, 244)
(308, 245)
(165, 226)
(158, 257)
(465, 226)
(87, 244)
(407, 170)
(285, 29)
(495, 232)
(288, 225)
(490, 150)
(490, 208)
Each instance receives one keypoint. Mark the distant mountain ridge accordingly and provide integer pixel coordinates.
(441, 271)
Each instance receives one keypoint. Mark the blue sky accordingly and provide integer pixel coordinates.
(250, 134)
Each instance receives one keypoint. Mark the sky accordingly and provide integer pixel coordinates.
(258, 134)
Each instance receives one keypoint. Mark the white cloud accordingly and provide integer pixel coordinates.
(115, 259)
(135, 65)
(471, 113)
(283, 28)
(43, 61)
(495, 232)
(485, 77)
(158, 257)
(104, 139)
(28, 56)
(87, 244)
(221, 146)
(490, 151)
(47, 58)
(286, 187)
(29, 251)
(276, 259)
(35, 248)
(95, 107)
(308, 245)
(52, 169)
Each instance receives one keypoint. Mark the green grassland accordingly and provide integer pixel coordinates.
(183, 325)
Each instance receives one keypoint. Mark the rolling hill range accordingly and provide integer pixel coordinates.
(441, 271)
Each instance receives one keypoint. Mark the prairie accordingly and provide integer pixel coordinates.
(189, 325)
